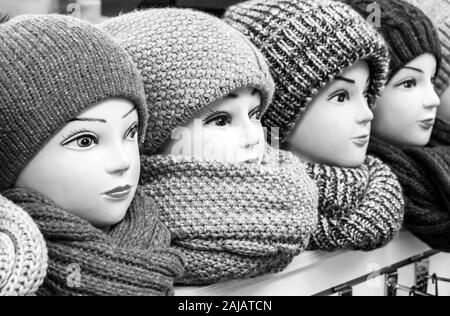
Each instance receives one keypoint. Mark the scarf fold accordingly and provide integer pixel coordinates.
(440, 135)
(359, 209)
(23, 253)
(424, 174)
(132, 259)
(233, 220)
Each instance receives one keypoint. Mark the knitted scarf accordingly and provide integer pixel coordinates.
(424, 174)
(359, 209)
(441, 134)
(233, 220)
(23, 254)
(132, 259)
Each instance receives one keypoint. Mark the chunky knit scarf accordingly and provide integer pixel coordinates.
(359, 209)
(132, 259)
(23, 254)
(441, 134)
(424, 174)
(233, 220)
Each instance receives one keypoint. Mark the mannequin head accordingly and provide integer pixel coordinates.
(70, 132)
(335, 128)
(228, 130)
(90, 167)
(406, 111)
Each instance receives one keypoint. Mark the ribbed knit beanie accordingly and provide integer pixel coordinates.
(188, 60)
(439, 12)
(407, 30)
(52, 68)
(307, 43)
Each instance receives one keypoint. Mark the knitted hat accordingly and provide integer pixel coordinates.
(188, 60)
(439, 12)
(23, 254)
(407, 30)
(52, 68)
(307, 43)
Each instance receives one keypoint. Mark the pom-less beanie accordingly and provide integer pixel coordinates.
(407, 30)
(307, 43)
(439, 12)
(52, 68)
(188, 60)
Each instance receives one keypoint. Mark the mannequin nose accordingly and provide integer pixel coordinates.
(365, 114)
(117, 161)
(431, 99)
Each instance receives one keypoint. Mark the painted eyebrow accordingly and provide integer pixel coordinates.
(415, 69)
(86, 119)
(345, 79)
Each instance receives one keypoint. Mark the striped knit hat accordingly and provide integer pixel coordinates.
(439, 12)
(407, 30)
(188, 60)
(307, 43)
(52, 68)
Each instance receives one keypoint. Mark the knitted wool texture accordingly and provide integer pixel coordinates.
(23, 253)
(439, 13)
(307, 43)
(440, 135)
(132, 259)
(407, 30)
(233, 221)
(359, 209)
(52, 68)
(424, 174)
(188, 60)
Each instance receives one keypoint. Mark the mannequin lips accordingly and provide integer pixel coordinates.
(427, 124)
(118, 193)
(361, 141)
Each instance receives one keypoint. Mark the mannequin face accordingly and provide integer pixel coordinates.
(335, 127)
(91, 167)
(406, 111)
(228, 130)
(444, 108)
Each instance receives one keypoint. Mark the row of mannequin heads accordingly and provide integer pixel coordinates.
(91, 167)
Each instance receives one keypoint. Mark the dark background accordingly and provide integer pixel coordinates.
(216, 7)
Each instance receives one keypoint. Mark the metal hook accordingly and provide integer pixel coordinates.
(393, 286)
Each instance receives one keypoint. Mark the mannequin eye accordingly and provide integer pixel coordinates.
(255, 114)
(218, 119)
(81, 142)
(340, 96)
(408, 84)
(132, 133)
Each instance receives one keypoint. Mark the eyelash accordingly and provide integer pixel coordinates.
(257, 111)
(83, 133)
(338, 94)
(413, 81)
(216, 115)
